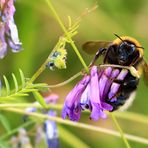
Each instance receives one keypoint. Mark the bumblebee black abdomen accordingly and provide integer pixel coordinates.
(125, 94)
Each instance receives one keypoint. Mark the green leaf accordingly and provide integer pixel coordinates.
(28, 90)
(21, 95)
(22, 77)
(5, 123)
(38, 85)
(7, 85)
(40, 99)
(15, 82)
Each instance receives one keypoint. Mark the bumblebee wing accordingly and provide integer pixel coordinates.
(145, 72)
(91, 47)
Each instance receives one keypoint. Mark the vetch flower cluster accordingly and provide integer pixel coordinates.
(21, 139)
(51, 131)
(8, 29)
(48, 131)
(91, 93)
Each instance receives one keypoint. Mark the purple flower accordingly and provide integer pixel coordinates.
(8, 29)
(98, 105)
(51, 131)
(23, 138)
(52, 98)
(115, 86)
(88, 94)
(48, 133)
(3, 44)
(93, 93)
(72, 107)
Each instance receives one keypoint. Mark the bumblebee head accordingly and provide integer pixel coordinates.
(128, 50)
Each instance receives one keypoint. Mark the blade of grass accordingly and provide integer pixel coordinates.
(80, 125)
(120, 130)
(74, 140)
(5, 123)
(13, 131)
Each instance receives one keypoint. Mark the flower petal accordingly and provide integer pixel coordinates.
(115, 86)
(3, 45)
(85, 98)
(104, 82)
(97, 112)
(51, 131)
(94, 86)
(95, 99)
(72, 107)
(10, 27)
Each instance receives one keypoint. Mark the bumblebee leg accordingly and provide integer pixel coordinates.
(129, 83)
(118, 81)
(99, 52)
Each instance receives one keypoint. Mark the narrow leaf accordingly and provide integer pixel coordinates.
(7, 85)
(40, 99)
(22, 77)
(21, 95)
(5, 123)
(4, 144)
(28, 90)
(15, 82)
(38, 85)
(74, 139)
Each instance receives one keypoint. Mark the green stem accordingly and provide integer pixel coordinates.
(38, 72)
(68, 36)
(120, 130)
(80, 125)
(70, 135)
(66, 82)
(26, 105)
(16, 130)
(134, 117)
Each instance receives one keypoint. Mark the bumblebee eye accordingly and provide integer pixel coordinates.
(131, 49)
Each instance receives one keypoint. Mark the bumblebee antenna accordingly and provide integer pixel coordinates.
(118, 37)
(139, 47)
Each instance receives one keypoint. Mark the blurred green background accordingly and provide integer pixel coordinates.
(39, 32)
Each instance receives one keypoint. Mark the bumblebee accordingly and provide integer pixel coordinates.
(123, 53)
